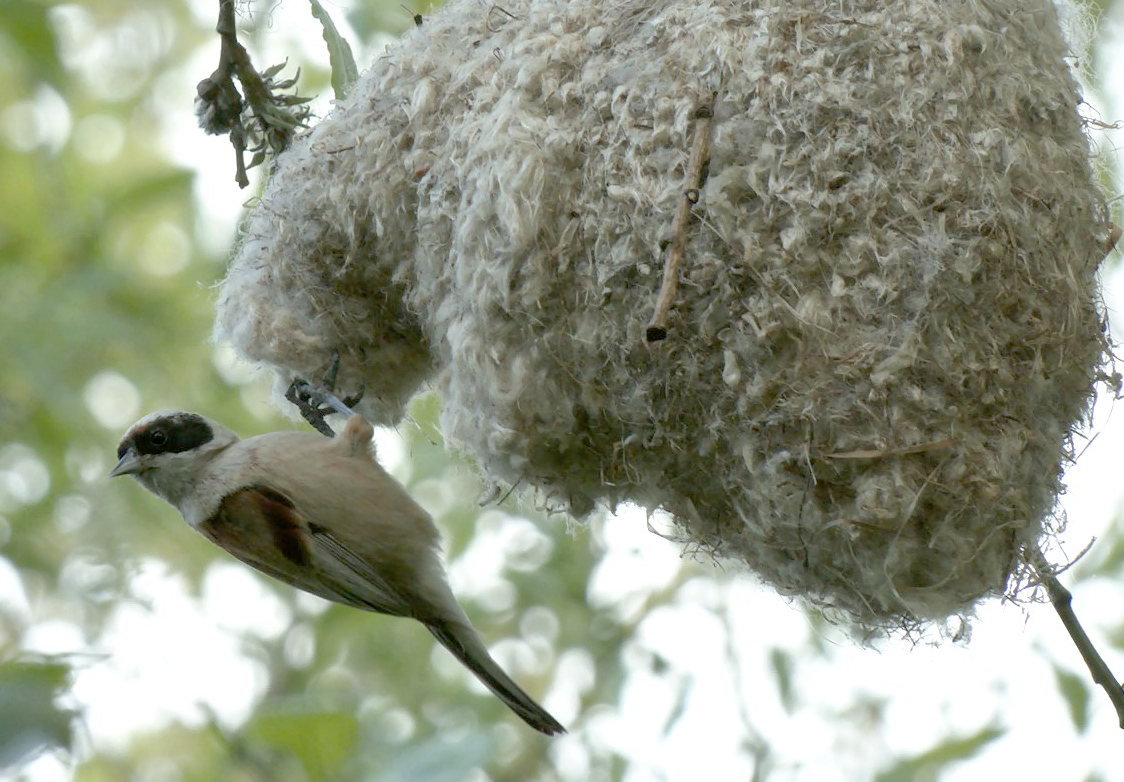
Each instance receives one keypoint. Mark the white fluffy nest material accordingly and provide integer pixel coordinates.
(886, 326)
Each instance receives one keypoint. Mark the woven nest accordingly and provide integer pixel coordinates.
(886, 324)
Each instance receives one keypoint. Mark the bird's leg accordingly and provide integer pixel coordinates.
(316, 402)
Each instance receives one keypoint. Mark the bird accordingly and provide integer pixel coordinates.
(318, 514)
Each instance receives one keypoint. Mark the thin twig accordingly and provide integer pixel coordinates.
(507, 493)
(1062, 601)
(751, 737)
(693, 181)
(873, 453)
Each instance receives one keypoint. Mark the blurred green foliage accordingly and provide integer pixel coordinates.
(928, 765)
(105, 278)
(30, 716)
(103, 269)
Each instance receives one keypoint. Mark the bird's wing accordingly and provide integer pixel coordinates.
(369, 544)
(261, 527)
(354, 577)
(324, 517)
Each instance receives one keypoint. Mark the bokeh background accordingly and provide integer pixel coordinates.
(131, 649)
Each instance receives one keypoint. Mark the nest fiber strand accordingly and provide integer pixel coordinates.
(886, 323)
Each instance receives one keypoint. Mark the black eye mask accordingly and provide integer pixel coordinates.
(174, 434)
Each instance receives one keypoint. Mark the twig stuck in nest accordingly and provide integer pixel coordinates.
(1062, 601)
(693, 181)
(274, 117)
(875, 453)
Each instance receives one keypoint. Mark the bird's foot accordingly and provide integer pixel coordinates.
(317, 402)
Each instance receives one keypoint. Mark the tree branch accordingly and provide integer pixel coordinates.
(1062, 601)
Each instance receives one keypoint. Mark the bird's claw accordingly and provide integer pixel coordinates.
(300, 393)
(316, 403)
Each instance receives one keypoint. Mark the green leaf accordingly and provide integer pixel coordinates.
(1107, 557)
(439, 759)
(926, 765)
(27, 25)
(681, 698)
(30, 722)
(1075, 690)
(171, 183)
(344, 70)
(781, 663)
(321, 740)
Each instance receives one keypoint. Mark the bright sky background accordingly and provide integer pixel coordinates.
(161, 663)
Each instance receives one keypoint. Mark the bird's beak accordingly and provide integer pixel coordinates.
(129, 464)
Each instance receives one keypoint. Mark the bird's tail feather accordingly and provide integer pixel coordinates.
(466, 646)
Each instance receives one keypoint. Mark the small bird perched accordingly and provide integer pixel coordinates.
(319, 514)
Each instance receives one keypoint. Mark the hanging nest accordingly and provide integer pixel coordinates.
(886, 326)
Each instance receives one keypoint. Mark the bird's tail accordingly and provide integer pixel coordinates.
(462, 641)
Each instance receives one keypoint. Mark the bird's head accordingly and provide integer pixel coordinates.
(167, 450)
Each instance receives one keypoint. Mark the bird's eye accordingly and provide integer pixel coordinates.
(158, 437)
